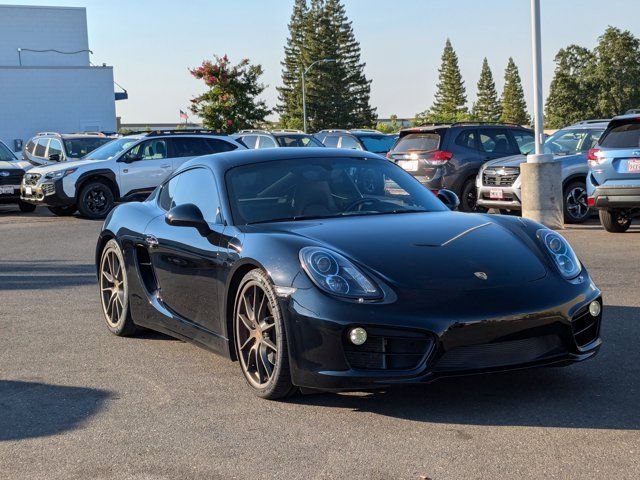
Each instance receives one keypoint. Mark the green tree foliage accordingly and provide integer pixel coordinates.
(486, 107)
(338, 92)
(392, 127)
(616, 72)
(450, 100)
(572, 94)
(514, 106)
(230, 103)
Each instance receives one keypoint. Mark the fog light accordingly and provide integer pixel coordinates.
(595, 308)
(358, 335)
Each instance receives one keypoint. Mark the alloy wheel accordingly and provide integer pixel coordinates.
(576, 201)
(256, 335)
(112, 288)
(96, 200)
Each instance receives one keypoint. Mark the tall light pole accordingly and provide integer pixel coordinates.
(541, 175)
(304, 89)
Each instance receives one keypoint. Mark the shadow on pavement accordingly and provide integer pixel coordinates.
(600, 393)
(44, 274)
(32, 409)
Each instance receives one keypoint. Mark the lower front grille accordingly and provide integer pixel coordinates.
(389, 350)
(585, 327)
(11, 177)
(48, 188)
(512, 352)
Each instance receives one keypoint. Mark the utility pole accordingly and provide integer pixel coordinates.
(304, 89)
(541, 175)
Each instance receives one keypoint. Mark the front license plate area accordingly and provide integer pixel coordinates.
(633, 165)
(8, 189)
(496, 194)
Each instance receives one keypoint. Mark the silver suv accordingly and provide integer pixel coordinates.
(498, 181)
(276, 138)
(613, 183)
(48, 148)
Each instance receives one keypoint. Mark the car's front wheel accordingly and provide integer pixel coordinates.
(114, 290)
(26, 207)
(260, 338)
(615, 221)
(96, 200)
(576, 209)
(63, 211)
(469, 198)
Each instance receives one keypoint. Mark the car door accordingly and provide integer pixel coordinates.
(144, 167)
(188, 265)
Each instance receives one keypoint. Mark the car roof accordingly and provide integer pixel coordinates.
(589, 124)
(221, 162)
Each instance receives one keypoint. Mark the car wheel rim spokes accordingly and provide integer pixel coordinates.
(255, 327)
(577, 202)
(96, 200)
(112, 288)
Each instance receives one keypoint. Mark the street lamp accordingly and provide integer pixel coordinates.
(304, 91)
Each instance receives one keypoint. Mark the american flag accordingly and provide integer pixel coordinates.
(183, 115)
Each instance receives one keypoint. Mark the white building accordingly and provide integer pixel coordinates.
(46, 80)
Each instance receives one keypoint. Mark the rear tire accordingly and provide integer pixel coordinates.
(114, 291)
(96, 200)
(469, 198)
(614, 221)
(63, 211)
(576, 209)
(26, 207)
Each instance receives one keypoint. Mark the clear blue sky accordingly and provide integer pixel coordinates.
(151, 43)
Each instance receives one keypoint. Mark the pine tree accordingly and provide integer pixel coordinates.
(572, 96)
(486, 107)
(290, 93)
(450, 100)
(338, 93)
(514, 106)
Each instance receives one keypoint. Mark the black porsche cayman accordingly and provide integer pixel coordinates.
(336, 270)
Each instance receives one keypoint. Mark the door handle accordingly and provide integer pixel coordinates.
(166, 165)
(151, 241)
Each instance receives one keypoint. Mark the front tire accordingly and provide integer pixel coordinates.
(615, 221)
(469, 198)
(96, 200)
(26, 207)
(576, 209)
(114, 291)
(63, 211)
(260, 338)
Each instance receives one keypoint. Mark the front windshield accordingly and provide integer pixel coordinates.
(377, 143)
(5, 154)
(79, 147)
(323, 188)
(111, 149)
(571, 141)
(298, 140)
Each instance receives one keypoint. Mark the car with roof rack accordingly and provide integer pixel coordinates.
(47, 148)
(365, 139)
(277, 138)
(450, 155)
(11, 173)
(125, 169)
(498, 181)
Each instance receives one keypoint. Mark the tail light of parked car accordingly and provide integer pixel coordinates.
(439, 157)
(592, 157)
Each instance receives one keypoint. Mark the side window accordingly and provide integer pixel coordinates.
(266, 142)
(151, 149)
(30, 146)
(189, 147)
(350, 142)
(331, 141)
(55, 148)
(524, 140)
(495, 141)
(217, 146)
(250, 140)
(195, 186)
(41, 147)
(467, 139)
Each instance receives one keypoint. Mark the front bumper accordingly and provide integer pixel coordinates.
(45, 193)
(511, 196)
(415, 341)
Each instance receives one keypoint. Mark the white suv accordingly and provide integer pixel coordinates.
(125, 169)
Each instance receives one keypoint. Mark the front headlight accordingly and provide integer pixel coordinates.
(336, 275)
(561, 252)
(59, 174)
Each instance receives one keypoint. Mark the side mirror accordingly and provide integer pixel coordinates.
(55, 157)
(187, 215)
(449, 198)
(130, 157)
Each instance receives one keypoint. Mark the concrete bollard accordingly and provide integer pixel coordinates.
(542, 191)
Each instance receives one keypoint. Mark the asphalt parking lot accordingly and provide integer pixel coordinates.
(78, 402)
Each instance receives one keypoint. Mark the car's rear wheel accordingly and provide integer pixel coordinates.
(615, 221)
(26, 207)
(260, 338)
(114, 291)
(96, 200)
(469, 198)
(576, 208)
(63, 211)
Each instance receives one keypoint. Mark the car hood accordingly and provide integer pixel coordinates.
(14, 165)
(512, 161)
(56, 167)
(437, 250)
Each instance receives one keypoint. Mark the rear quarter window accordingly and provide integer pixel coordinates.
(622, 136)
(418, 142)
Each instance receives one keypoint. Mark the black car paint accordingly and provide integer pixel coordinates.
(424, 262)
